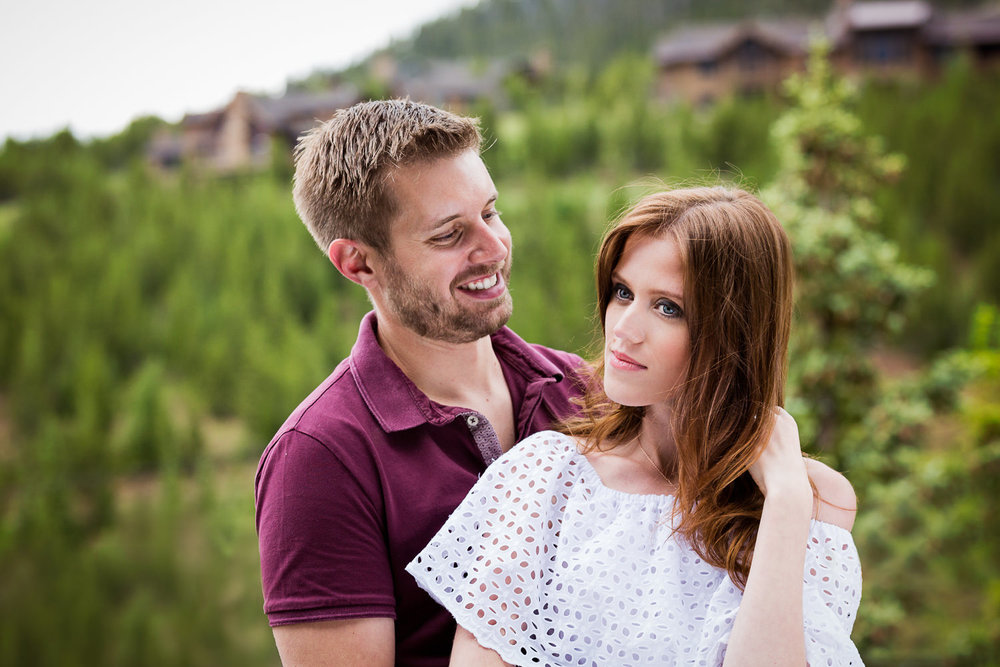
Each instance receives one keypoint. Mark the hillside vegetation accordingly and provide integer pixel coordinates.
(155, 329)
(590, 32)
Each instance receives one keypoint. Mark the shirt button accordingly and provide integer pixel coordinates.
(472, 421)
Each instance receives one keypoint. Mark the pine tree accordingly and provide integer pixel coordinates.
(852, 287)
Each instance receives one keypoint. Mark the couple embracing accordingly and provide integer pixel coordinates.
(453, 493)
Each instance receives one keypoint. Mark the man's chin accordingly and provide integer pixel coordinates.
(479, 325)
(500, 315)
(462, 323)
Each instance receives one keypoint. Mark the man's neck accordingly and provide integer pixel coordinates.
(461, 374)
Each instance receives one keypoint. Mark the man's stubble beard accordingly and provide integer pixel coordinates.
(415, 306)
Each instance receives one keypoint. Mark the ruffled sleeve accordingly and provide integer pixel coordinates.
(830, 598)
(485, 565)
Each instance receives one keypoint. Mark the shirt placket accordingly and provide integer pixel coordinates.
(485, 437)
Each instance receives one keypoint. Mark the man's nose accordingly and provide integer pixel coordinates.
(492, 243)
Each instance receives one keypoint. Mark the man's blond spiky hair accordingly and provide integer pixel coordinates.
(342, 165)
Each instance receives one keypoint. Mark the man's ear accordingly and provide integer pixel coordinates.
(353, 260)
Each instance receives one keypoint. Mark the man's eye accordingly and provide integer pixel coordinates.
(490, 215)
(445, 238)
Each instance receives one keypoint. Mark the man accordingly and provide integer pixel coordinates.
(367, 468)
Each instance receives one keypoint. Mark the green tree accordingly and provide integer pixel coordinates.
(852, 287)
(927, 466)
(923, 457)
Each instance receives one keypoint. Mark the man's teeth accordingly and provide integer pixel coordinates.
(485, 283)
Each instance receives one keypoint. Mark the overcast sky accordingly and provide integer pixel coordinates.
(94, 65)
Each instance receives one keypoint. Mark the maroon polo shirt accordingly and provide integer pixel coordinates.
(366, 470)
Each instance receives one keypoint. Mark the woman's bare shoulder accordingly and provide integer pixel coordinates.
(836, 501)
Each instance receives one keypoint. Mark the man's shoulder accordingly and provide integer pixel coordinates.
(542, 358)
(339, 386)
(568, 361)
(334, 409)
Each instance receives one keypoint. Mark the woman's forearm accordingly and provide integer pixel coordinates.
(466, 652)
(768, 629)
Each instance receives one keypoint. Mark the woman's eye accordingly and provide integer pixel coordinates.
(621, 292)
(669, 308)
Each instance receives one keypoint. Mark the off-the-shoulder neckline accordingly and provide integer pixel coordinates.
(597, 485)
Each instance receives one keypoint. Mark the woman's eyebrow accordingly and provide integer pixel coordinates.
(617, 278)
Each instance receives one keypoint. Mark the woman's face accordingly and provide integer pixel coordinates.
(646, 341)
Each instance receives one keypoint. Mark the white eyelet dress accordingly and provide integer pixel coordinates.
(547, 566)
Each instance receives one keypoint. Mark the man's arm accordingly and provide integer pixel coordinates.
(353, 642)
(323, 555)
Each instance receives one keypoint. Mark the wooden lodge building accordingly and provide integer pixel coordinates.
(696, 64)
(244, 133)
(700, 64)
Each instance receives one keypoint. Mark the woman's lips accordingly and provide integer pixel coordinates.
(625, 362)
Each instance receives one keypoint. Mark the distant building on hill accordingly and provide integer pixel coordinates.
(244, 133)
(697, 64)
(453, 84)
(700, 64)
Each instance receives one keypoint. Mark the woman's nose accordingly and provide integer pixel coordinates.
(628, 328)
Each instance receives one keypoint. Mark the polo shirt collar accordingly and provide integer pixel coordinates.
(398, 404)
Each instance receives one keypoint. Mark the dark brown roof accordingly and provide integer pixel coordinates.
(277, 111)
(708, 42)
(979, 26)
(712, 41)
(286, 112)
(443, 80)
(893, 14)
(206, 120)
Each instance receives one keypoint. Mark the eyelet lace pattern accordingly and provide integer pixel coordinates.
(547, 566)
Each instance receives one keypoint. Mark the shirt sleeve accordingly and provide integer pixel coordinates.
(830, 598)
(322, 547)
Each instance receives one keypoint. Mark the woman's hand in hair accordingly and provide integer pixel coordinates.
(780, 467)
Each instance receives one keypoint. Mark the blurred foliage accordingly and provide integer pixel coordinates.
(941, 211)
(156, 328)
(913, 443)
(591, 32)
(926, 462)
(852, 288)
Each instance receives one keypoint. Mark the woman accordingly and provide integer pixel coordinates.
(675, 521)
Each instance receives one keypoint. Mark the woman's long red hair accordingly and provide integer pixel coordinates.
(738, 305)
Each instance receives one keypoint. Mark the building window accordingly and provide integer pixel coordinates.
(751, 55)
(883, 48)
(708, 67)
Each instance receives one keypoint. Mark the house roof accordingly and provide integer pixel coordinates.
(440, 81)
(205, 120)
(706, 42)
(891, 14)
(712, 41)
(695, 43)
(971, 27)
(277, 110)
(294, 112)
